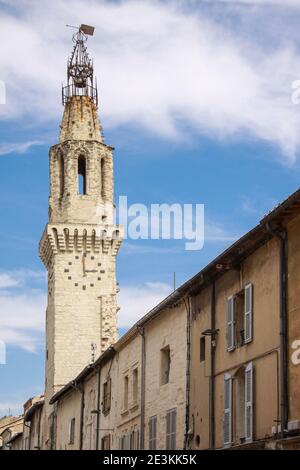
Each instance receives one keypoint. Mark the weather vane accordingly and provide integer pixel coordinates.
(80, 69)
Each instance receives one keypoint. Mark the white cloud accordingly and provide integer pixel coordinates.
(158, 64)
(136, 301)
(22, 307)
(22, 319)
(282, 3)
(18, 147)
(6, 280)
(21, 277)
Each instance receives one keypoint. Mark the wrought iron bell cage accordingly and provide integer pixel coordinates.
(80, 71)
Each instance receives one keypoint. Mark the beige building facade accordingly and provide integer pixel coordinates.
(244, 327)
(33, 423)
(133, 395)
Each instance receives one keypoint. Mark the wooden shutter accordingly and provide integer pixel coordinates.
(127, 441)
(249, 402)
(168, 433)
(248, 312)
(173, 429)
(230, 323)
(131, 440)
(227, 409)
(108, 398)
(152, 433)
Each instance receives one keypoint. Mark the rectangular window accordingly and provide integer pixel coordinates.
(227, 423)
(171, 429)
(230, 323)
(165, 365)
(137, 439)
(132, 440)
(126, 387)
(72, 431)
(239, 323)
(248, 313)
(202, 348)
(106, 396)
(249, 402)
(135, 386)
(125, 442)
(152, 432)
(239, 318)
(105, 442)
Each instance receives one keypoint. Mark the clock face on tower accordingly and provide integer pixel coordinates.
(84, 270)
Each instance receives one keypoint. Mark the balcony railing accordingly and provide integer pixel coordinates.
(72, 90)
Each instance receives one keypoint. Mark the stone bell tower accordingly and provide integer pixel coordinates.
(80, 242)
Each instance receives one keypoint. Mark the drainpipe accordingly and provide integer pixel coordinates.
(39, 430)
(98, 408)
(212, 368)
(30, 435)
(81, 389)
(187, 304)
(143, 385)
(282, 237)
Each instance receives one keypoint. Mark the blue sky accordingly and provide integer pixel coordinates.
(196, 99)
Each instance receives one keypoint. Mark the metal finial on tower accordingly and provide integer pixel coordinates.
(80, 70)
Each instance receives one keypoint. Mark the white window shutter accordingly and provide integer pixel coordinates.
(227, 409)
(249, 402)
(230, 323)
(248, 313)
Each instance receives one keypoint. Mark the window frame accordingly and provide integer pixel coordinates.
(125, 392)
(171, 425)
(227, 419)
(165, 352)
(72, 431)
(82, 171)
(135, 386)
(106, 402)
(152, 429)
(202, 349)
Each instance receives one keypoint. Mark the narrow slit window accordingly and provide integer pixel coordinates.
(135, 386)
(126, 389)
(202, 348)
(61, 171)
(72, 431)
(165, 363)
(81, 175)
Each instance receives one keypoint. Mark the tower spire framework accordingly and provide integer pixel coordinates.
(80, 68)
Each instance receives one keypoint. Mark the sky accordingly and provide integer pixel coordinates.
(196, 98)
